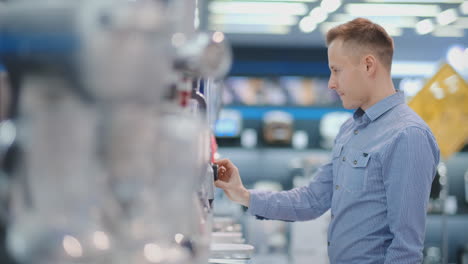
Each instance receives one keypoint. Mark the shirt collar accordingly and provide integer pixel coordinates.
(381, 107)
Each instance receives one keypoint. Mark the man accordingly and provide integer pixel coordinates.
(384, 159)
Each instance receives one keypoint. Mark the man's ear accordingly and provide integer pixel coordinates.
(370, 64)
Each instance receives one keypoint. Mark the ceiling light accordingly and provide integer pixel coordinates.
(396, 21)
(464, 8)
(326, 26)
(462, 22)
(251, 29)
(318, 14)
(293, 1)
(258, 8)
(455, 57)
(392, 30)
(330, 5)
(307, 24)
(448, 32)
(417, 1)
(413, 68)
(392, 10)
(240, 19)
(447, 17)
(424, 27)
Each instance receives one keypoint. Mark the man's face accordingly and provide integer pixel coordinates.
(347, 75)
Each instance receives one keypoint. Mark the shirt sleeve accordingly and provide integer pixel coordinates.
(408, 170)
(299, 204)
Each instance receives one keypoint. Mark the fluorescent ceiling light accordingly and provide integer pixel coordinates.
(253, 19)
(392, 10)
(424, 27)
(446, 17)
(464, 8)
(285, 1)
(326, 26)
(462, 22)
(330, 5)
(258, 8)
(308, 24)
(396, 21)
(452, 32)
(390, 24)
(413, 68)
(416, 1)
(251, 29)
(455, 57)
(318, 14)
(392, 30)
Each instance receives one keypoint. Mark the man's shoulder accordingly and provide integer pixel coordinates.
(403, 117)
(404, 126)
(407, 123)
(402, 122)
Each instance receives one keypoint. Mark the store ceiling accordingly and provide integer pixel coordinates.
(422, 30)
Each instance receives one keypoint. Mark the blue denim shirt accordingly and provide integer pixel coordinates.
(377, 186)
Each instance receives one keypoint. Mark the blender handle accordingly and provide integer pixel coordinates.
(215, 171)
(198, 96)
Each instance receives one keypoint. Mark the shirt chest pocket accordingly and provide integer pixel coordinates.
(336, 156)
(355, 170)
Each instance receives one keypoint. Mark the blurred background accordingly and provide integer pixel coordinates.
(280, 68)
(278, 118)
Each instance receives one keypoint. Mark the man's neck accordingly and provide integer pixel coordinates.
(382, 88)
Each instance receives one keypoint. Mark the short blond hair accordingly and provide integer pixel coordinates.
(365, 34)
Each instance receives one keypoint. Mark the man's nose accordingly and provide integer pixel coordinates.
(331, 84)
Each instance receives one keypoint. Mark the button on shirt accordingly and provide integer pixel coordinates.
(377, 186)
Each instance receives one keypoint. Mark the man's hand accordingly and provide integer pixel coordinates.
(229, 180)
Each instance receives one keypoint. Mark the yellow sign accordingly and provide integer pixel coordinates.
(443, 104)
